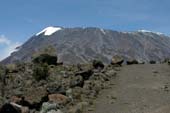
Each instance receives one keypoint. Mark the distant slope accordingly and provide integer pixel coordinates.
(79, 45)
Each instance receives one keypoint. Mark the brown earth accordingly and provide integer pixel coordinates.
(136, 89)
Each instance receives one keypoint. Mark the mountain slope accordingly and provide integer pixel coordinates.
(79, 45)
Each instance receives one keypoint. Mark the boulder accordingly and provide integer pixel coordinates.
(58, 98)
(131, 61)
(117, 60)
(48, 106)
(77, 81)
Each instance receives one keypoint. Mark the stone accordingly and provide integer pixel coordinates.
(25, 110)
(58, 98)
(48, 106)
(35, 95)
(15, 99)
(111, 73)
(20, 108)
(55, 88)
(117, 60)
(92, 87)
(69, 94)
(79, 108)
(54, 111)
(77, 81)
(8, 108)
(85, 74)
(59, 111)
(131, 61)
(76, 93)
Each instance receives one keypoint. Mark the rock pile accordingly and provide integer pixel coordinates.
(58, 89)
(67, 89)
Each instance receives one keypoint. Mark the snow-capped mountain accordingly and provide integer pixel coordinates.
(49, 31)
(79, 45)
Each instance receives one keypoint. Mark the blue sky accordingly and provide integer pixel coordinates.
(20, 19)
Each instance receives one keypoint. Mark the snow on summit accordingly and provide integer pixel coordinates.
(49, 31)
(146, 31)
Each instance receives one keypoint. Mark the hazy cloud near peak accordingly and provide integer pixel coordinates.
(8, 46)
(4, 40)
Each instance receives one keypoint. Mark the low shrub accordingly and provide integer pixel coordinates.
(46, 58)
(40, 72)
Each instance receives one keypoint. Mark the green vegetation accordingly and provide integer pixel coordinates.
(40, 71)
(98, 64)
(45, 58)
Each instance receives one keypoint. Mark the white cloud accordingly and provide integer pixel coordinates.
(8, 47)
(4, 40)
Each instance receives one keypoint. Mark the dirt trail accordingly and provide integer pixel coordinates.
(138, 89)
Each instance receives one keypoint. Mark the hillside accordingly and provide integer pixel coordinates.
(80, 45)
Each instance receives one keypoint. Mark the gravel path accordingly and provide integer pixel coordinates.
(138, 89)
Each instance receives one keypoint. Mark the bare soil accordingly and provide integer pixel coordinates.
(136, 89)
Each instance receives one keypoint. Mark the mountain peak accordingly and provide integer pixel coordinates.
(147, 31)
(49, 30)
